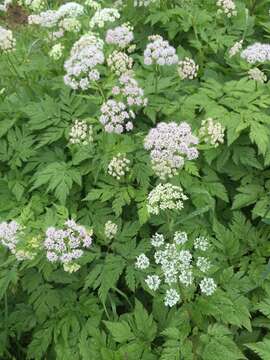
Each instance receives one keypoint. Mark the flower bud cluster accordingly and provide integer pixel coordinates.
(118, 166)
(81, 133)
(120, 36)
(257, 75)
(187, 69)
(165, 197)
(115, 117)
(227, 7)
(212, 132)
(93, 4)
(7, 41)
(170, 145)
(178, 264)
(235, 48)
(67, 245)
(159, 52)
(119, 62)
(34, 5)
(85, 55)
(103, 16)
(56, 52)
(70, 25)
(110, 229)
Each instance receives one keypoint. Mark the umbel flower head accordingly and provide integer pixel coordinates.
(165, 197)
(56, 52)
(116, 117)
(110, 229)
(177, 265)
(171, 144)
(212, 132)
(257, 75)
(12, 237)
(7, 41)
(51, 18)
(119, 62)
(120, 36)
(103, 16)
(85, 55)
(227, 7)
(159, 52)
(187, 69)
(118, 166)
(130, 90)
(256, 53)
(67, 245)
(81, 133)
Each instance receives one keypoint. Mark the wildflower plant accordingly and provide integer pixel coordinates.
(177, 266)
(148, 122)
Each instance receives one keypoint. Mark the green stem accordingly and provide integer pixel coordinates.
(156, 79)
(99, 88)
(13, 66)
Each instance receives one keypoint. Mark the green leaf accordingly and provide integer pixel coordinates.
(59, 177)
(120, 331)
(261, 348)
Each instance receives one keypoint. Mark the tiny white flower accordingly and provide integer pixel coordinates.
(157, 240)
(153, 282)
(142, 262)
(208, 286)
(171, 297)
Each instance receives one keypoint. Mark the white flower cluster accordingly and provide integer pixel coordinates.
(159, 52)
(170, 145)
(256, 53)
(70, 25)
(9, 233)
(67, 245)
(212, 132)
(118, 166)
(5, 5)
(227, 7)
(165, 197)
(257, 75)
(81, 133)
(115, 117)
(235, 48)
(52, 18)
(142, 262)
(119, 62)
(85, 55)
(110, 229)
(7, 41)
(103, 16)
(34, 5)
(57, 51)
(131, 90)
(177, 267)
(187, 69)
(93, 4)
(120, 36)
(11, 236)
(140, 3)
